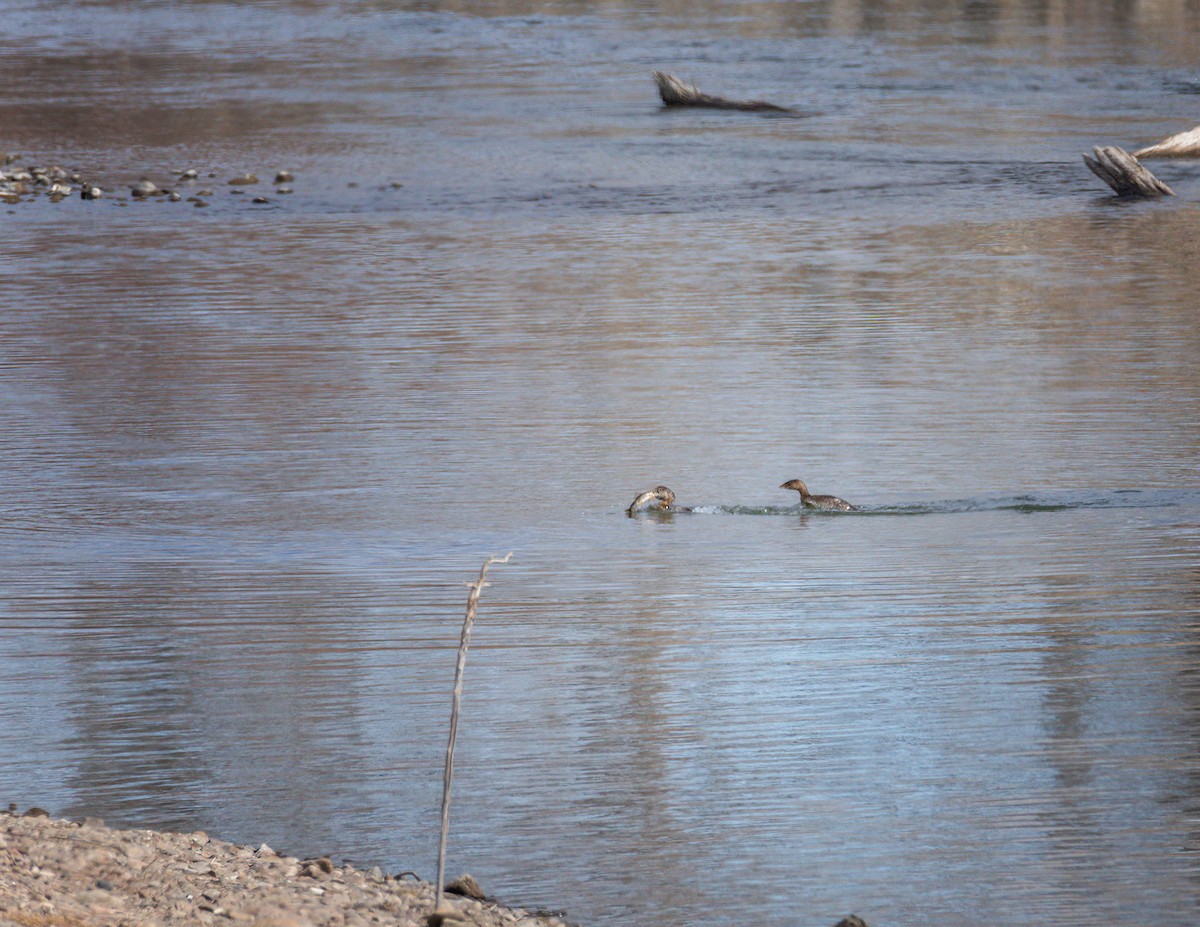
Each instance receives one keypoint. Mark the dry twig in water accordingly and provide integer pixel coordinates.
(465, 641)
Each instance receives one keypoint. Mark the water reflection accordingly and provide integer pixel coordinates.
(250, 456)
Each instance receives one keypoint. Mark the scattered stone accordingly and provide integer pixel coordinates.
(445, 915)
(57, 183)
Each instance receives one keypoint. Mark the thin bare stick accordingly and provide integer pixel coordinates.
(472, 601)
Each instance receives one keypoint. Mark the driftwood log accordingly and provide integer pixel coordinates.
(675, 92)
(1184, 145)
(1121, 171)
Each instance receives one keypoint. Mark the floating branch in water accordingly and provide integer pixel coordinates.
(439, 915)
(1184, 145)
(675, 92)
(1121, 171)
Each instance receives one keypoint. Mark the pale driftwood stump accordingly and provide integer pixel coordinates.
(1121, 171)
(1184, 145)
(675, 92)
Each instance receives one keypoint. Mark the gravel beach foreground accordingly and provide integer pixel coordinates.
(56, 873)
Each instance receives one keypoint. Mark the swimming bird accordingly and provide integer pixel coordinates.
(809, 501)
(661, 493)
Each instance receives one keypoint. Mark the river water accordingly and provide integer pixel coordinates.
(252, 452)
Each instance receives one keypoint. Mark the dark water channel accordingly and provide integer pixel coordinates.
(250, 453)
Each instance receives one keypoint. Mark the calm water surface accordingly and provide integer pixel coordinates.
(252, 453)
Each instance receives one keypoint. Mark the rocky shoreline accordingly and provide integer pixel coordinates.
(57, 873)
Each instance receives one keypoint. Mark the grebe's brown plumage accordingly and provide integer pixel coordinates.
(662, 494)
(809, 501)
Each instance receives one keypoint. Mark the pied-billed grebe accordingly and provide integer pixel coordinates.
(809, 501)
(662, 494)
